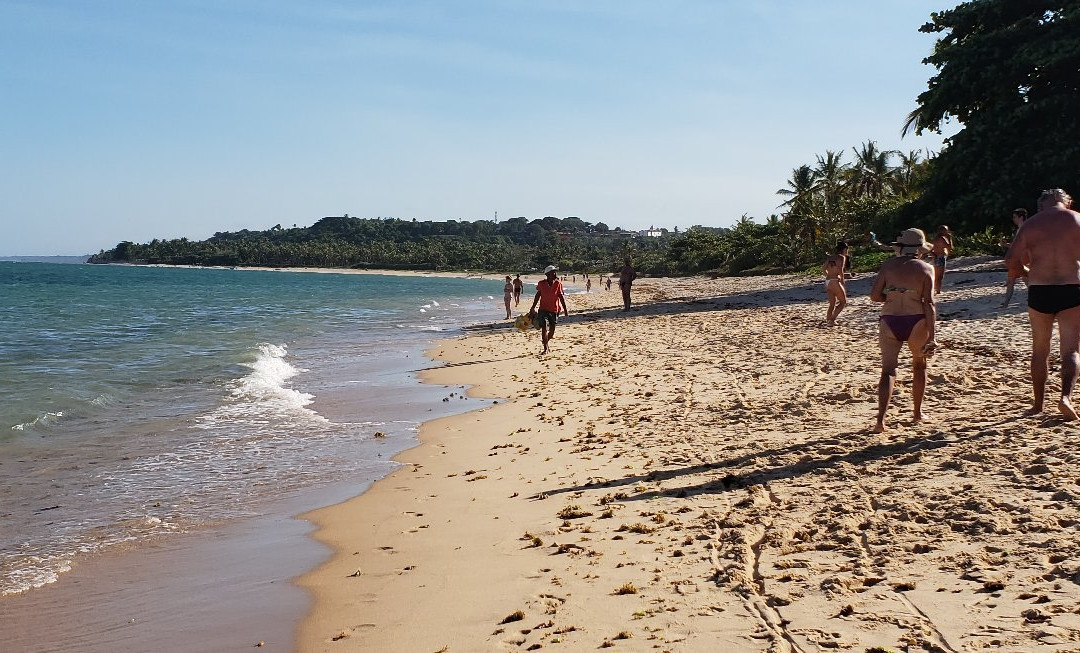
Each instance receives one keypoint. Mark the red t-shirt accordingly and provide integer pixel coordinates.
(549, 294)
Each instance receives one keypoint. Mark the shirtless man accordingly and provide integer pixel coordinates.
(905, 286)
(941, 248)
(518, 285)
(834, 282)
(1048, 246)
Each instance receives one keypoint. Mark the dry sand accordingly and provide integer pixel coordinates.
(698, 474)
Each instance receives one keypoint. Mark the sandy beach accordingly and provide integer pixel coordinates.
(699, 474)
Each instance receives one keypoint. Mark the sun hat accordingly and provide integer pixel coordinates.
(910, 238)
(550, 268)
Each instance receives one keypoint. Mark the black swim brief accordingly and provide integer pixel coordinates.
(1053, 299)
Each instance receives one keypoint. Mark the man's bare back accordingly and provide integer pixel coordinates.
(1048, 244)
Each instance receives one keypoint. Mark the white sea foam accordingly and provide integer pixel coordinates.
(101, 400)
(36, 572)
(434, 303)
(44, 419)
(262, 394)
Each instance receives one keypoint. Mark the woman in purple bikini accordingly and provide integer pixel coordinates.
(905, 287)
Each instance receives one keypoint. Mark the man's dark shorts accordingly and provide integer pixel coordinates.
(547, 316)
(1053, 299)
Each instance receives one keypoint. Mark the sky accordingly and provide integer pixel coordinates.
(135, 120)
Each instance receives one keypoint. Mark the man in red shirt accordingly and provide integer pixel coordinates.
(549, 294)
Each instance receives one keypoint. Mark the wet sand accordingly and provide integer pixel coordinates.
(218, 590)
(699, 474)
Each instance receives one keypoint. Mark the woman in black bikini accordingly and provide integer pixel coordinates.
(905, 287)
(834, 282)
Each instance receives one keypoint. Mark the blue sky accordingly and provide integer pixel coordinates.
(133, 120)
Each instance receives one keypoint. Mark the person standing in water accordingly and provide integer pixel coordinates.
(905, 288)
(508, 294)
(834, 282)
(518, 285)
(1048, 246)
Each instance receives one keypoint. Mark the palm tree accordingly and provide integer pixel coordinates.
(910, 172)
(871, 175)
(829, 181)
(802, 218)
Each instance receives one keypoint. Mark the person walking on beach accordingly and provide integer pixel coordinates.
(905, 288)
(1048, 247)
(549, 294)
(1019, 216)
(518, 285)
(608, 283)
(834, 282)
(588, 284)
(941, 248)
(508, 294)
(626, 279)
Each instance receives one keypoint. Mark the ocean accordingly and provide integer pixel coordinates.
(140, 402)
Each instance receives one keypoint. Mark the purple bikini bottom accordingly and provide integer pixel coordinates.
(902, 325)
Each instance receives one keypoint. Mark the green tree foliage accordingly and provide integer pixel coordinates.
(1009, 72)
(343, 241)
(826, 202)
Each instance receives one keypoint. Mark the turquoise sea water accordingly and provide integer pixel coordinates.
(141, 401)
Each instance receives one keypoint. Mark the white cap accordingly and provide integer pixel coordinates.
(550, 268)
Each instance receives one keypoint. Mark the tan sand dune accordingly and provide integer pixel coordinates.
(699, 475)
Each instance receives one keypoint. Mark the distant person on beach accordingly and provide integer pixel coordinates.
(1047, 246)
(1019, 216)
(905, 287)
(588, 284)
(518, 285)
(834, 282)
(549, 294)
(508, 294)
(609, 283)
(941, 249)
(880, 246)
(626, 279)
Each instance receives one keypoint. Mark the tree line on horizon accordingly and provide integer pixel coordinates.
(1008, 72)
(515, 245)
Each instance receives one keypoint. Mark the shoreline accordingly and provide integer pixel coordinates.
(225, 581)
(462, 274)
(699, 474)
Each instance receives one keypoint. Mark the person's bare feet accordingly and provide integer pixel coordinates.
(879, 427)
(1066, 409)
(1034, 410)
(920, 417)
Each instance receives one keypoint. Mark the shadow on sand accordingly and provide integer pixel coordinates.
(810, 461)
